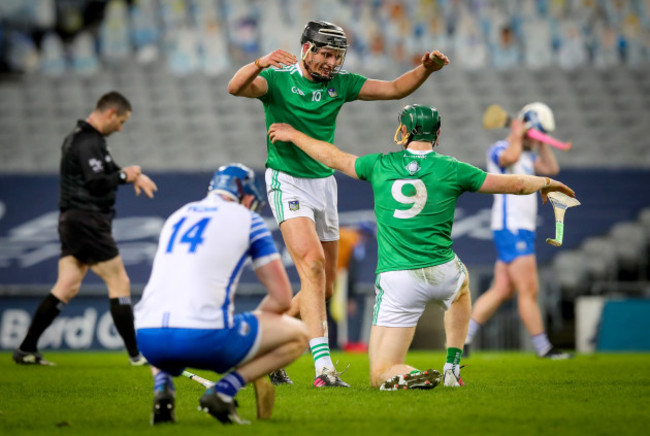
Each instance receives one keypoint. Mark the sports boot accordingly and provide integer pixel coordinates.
(555, 354)
(163, 406)
(329, 377)
(30, 358)
(451, 380)
(138, 360)
(428, 379)
(224, 411)
(280, 377)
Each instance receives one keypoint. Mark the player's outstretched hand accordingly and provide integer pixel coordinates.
(279, 58)
(556, 186)
(434, 61)
(281, 132)
(144, 183)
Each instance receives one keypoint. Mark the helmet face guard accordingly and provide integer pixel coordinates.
(235, 181)
(321, 34)
(421, 122)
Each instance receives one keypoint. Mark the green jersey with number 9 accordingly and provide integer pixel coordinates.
(311, 107)
(415, 201)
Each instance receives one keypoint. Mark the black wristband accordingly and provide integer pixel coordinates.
(122, 177)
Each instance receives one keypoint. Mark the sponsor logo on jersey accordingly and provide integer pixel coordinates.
(413, 167)
(294, 205)
(297, 90)
(96, 164)
(332, 92)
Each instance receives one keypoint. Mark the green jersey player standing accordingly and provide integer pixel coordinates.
(415, 192)
(308, 93)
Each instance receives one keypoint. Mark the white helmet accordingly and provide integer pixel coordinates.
(538, 116)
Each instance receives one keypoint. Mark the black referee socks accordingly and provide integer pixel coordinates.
(122, 314)
(46, 312)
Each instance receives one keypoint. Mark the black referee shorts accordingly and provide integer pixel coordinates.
(87, 236)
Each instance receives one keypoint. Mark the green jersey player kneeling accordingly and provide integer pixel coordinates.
(415, 191)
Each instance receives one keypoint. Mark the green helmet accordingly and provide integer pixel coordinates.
(422, 122)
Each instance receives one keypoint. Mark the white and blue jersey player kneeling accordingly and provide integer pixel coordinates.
(186, 315)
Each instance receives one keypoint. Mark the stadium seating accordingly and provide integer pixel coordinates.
(601, 113)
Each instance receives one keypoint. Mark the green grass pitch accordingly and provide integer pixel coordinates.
(506, 394)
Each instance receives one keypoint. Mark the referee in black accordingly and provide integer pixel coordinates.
(88, 185)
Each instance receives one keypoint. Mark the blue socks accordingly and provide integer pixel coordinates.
(229, 385)
(161, 380)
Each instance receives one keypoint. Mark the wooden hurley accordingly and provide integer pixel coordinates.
(496, 117)
(561, 202)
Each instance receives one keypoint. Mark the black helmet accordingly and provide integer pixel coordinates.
(324, 34)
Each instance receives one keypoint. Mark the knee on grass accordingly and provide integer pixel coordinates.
(378, 375)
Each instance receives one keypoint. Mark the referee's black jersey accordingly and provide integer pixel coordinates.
(89, 177)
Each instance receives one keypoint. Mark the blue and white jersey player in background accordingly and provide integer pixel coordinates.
(186, 315)
(513, 224)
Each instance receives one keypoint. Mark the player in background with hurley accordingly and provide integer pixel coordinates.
(309, 93)
(415, 192)
(514, 220)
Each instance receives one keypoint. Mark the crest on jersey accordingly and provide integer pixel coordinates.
(413, 167)
(244, 328)
(96, 165)
(294, 205)
(521, 246)
(332, 92)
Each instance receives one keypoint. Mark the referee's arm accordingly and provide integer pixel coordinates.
(100, 177)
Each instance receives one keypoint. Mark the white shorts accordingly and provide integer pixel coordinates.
(401, 296)
(316, 199)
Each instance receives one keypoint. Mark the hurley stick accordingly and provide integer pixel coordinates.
(561, 202)
(264, 397)
(205, 382)
(496, 117)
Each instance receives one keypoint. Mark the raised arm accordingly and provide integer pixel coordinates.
(521, 184)
(405, 84)
(324, 152)
(246, 81)
(546, 163)
(515, 143)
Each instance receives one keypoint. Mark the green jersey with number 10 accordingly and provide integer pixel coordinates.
(415, 201)
(311, 107)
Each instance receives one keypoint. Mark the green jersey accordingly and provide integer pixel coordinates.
(415, 200)
(311, 107)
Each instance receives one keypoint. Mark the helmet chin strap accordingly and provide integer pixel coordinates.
(303, 53)
(399, 138)
(404, 141)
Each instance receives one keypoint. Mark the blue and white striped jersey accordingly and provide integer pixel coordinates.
(512, 212)
(202, 249)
